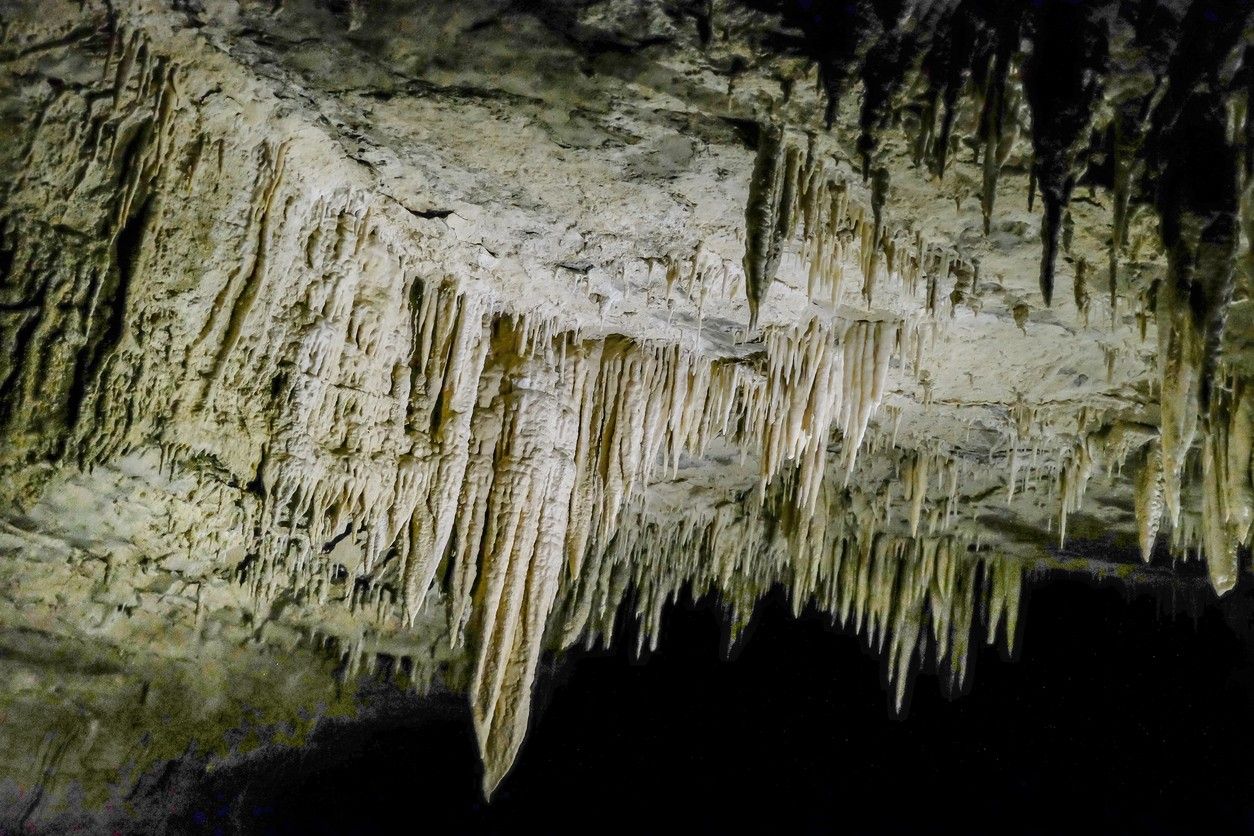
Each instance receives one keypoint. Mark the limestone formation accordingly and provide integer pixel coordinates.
(428, 338)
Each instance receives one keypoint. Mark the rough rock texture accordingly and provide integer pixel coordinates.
(434, 334)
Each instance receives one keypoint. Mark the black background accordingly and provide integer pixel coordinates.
(1121, 713)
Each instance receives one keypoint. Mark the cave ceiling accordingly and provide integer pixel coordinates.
(431, 337)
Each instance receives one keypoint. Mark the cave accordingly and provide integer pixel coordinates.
(481, 415)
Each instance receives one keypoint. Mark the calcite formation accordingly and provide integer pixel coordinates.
(433, 337)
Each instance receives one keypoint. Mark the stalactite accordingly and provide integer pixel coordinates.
(1217, 537)
(770, 212)
(867, 350)
(997, 131)
(916, 484)
(1062, 81)
(1130, 124)
(946, 66)
(1081, 291)
(1073, 482)
(879, 196)
(1148, 498)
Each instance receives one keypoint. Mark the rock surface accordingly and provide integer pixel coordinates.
(430, 336)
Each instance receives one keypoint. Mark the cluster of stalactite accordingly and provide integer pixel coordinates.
(400, 428)
(1219, 523)
(522, 448)
(378, 420)
(1149, 100)
(1105, 84)
(913, 594)
(793, 191)
(1216, 524)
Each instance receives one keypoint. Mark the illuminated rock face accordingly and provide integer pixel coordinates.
(428, 337)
